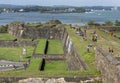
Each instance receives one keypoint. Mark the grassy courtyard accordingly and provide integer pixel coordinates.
(15, 53)
(6, 36)
(41, 46)
(56, 66)
(34, 65)
(55, 47)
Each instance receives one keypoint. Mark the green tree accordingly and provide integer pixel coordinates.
(108, 23)
(91, 23)
(3, 28)
(117, 23)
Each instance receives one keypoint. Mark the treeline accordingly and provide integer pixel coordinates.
(107, 23)
(43, 9)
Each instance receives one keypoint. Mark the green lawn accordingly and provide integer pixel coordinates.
(15, 53)
(34, 64)
(55, 47)
(41, 46)
(6, 36)
(56, 66)
(37, 73)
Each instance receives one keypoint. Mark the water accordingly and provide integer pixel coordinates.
(75, 18)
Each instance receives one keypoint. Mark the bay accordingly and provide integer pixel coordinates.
(74, 18)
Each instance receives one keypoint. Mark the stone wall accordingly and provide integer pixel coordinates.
(22, 31)
(11, 43)
(16, 29)
(108, 65)
(81, 79)
(73, 59)
(54, 57)
(111, 28)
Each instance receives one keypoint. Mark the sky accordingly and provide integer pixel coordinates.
(63, 2)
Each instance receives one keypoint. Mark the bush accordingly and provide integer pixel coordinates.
(3, 28)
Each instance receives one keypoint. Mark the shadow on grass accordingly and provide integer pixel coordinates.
(28, 57)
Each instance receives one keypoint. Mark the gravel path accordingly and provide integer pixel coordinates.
(9, 65)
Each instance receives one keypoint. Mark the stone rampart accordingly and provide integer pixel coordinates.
(73, 58)
(24, 31)
(108, 65)
(111, 28)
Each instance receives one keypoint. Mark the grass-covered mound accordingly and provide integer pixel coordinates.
(107, 41)
(80, 45)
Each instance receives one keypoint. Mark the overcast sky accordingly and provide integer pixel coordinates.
(63, 2)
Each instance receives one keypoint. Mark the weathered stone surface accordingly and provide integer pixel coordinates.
(40, 80)
(109, 66)
(11, 43)
(111, 28)
(73, 59)
(31, 80)
(21, 30)
(50, 80)
(50, 56)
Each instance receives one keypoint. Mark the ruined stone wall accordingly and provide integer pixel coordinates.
(110, 28)
(11, 43)
(51, 33)
(23, 31)
(108, 65)
(107, 28)
(16, 29)
(54, 57)
(73, 59)
(81, 79)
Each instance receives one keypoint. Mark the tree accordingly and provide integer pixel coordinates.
(3, 28)
(108, 23)
(117, 23)
(90, 22)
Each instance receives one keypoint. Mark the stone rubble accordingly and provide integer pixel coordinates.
(53, 80)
